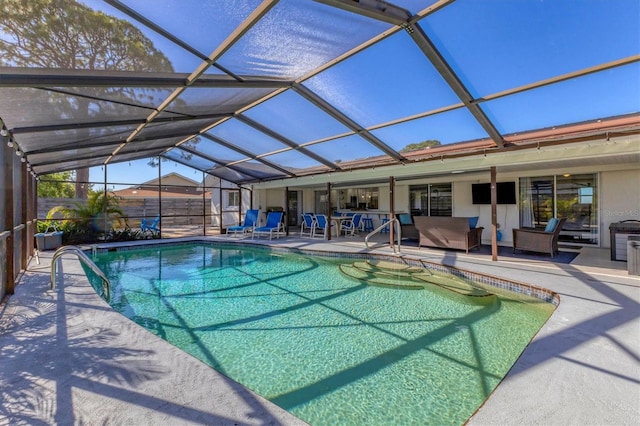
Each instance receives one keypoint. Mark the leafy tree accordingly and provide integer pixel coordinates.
(56, 185)
(68, 35)
(421, 145)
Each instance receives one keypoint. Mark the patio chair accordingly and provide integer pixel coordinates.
(322, 226)
(250, 222)
(308, 225)
(538, 240)
(273, 226)
(152, 226)
(351, 226)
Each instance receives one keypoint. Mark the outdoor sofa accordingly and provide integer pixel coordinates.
(448, 232)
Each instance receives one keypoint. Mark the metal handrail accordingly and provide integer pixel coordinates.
(392, 222)
(106, 284)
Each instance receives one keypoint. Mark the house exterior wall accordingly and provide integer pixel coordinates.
(619, 199)
(273, 198)
(401, 198)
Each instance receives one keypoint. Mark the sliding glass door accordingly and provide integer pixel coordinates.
(573, 197)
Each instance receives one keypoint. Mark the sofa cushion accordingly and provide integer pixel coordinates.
(551, 226)
(473, 222)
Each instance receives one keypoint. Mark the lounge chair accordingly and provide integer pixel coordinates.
(146, 225)
(250, 221)
(538, 240)
(308, 225)
(273, 226)
(322, 226)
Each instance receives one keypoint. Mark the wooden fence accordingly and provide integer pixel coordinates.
(175, 211)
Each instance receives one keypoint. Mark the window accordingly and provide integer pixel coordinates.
(356, 198)
(233, 199)
(431, 200)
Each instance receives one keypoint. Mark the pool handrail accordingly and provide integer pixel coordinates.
(106, 284)
(397, 231)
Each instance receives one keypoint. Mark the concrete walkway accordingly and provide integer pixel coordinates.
(67, 358)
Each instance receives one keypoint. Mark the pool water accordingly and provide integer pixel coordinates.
(327, 348)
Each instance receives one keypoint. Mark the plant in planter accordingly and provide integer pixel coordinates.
(91, 221)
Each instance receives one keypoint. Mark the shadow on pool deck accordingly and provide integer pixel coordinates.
(68, 358)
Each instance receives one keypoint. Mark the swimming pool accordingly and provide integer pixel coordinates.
(328, 348)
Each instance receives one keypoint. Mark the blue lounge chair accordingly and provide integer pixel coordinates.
(322, 226)
(146, 225)
(273, 225)
(250, 221)
(308, 224)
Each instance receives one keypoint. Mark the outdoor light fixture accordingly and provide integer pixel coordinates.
(18, 152)
(4, 132)
(10, 143)
(23, 160)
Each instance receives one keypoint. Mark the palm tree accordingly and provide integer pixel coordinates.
(88, 221)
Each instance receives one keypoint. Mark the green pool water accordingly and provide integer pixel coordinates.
(325, 347)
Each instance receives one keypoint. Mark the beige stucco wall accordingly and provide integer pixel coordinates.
(619, 199)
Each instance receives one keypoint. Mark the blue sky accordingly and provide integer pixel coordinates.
(493, 45)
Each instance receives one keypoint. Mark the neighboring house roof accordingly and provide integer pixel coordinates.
(148, 193)
(172, 178)
(174, 185)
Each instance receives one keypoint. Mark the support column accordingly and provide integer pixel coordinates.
(160, 196)
(240, 221)
(204, 205)
(220, 207)
(286, 211)
(328, 211)
(104, 205)
(392, 211)
(494, 215)
(24, 217)
(8, 202)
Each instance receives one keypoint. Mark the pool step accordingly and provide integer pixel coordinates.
(390, 268)
(453, 283)
(410, 277)
(381, 278)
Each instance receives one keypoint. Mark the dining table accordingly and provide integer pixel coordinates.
(338, 222)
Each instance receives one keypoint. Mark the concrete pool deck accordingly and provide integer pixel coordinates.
(67, 358)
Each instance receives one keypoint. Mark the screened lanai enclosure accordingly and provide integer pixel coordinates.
(235, 95)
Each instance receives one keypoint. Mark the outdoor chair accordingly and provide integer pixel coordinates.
(308, 225)
(322, 226)
(152, 226)
(250, 222)
(538, 240)
(273, 226)
(351, 226)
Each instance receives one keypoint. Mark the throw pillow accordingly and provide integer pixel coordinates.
(473, 222)
(405, 219)
(551, 226)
